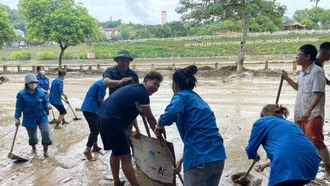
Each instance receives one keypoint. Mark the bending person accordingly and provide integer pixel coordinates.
(90, 107)
(117, 112)
(204, 153)
(292, 157)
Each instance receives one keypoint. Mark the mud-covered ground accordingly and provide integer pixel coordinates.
(236, 100)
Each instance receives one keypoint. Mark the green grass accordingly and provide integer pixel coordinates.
(179, 48)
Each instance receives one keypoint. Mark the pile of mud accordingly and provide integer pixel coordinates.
(3, 80)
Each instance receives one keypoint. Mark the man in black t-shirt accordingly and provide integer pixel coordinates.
(117, 112)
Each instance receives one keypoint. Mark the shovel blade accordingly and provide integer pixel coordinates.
(76, 119)
(14, 157)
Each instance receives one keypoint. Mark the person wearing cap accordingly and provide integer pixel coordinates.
(120, 75)
(32, 102)
(55, 96)
(114, 78)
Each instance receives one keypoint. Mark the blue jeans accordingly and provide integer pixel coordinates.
(45, 134)
(207, 174)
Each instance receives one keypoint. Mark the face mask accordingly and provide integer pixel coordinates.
(32, 86)
(42, 72)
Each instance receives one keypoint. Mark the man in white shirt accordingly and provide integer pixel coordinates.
(310, 100)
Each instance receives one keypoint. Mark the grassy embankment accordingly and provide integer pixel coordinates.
(261, 45)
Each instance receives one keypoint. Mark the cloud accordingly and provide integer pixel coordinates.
(149, 11)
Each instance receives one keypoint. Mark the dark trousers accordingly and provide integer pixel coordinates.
(94, 130)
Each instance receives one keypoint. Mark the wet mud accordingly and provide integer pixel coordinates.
(235, 99)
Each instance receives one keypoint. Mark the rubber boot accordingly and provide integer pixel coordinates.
(88, 154)
(46, 151)
(96, 148)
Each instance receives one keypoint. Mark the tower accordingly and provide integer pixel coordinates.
(164, 17)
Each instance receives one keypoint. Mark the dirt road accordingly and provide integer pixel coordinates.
(235, 99)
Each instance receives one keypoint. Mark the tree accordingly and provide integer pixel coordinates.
(313, 17)
(164, 31)
(110, 24)
(7, 33)
(205, 11)
(16, 19)
(178, 28)
(62, 21)
(324, 19)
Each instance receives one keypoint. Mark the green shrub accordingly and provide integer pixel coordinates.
(23, 55)
(82, 55)
(46, 55)
(68, 55)
(4, 59)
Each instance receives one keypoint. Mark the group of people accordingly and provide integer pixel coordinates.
(293, 149)
(35, 101)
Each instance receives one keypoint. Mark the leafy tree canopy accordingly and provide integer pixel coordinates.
(264, 13)
(62, 21)
(7, 33)
(16, 19)
(313, 18)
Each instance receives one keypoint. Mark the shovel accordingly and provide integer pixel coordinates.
(279, 90)
(243, 180)
(54, 120)
(75, 116)
(13, 156)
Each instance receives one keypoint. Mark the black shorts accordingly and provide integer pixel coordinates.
(61, 109)
(114, 137)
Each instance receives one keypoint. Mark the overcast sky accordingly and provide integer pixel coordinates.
(149, 11)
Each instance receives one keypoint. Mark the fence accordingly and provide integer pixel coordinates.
(274, 65)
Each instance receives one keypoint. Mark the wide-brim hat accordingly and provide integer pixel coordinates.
(123, 54)
(30, 78)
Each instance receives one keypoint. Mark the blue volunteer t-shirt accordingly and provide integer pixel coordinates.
(123, 106)
(292, 154)
(56, 91)
(197, 127)
(95, 93)
(32, 106)
(43, 82)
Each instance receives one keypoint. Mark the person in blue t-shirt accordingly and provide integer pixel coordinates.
(32, 102)
(117, 112)
(293, 159)
(43, 82)
(204, 153)
(90, 107)
(55, 97)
